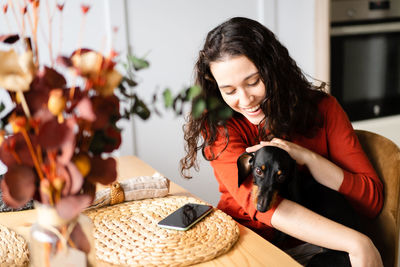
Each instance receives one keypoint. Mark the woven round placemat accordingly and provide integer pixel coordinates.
(127, 234)
(13, 248)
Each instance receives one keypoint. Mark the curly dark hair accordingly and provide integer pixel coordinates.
(291, 105)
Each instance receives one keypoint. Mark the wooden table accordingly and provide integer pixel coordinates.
(249, 250)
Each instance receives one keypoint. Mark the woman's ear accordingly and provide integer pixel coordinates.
(244, 166)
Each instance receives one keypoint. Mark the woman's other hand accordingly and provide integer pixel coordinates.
(300, 154)
(324, 171)
(304, 224)
(365, 254)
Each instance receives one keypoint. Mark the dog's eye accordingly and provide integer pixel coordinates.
(259, 171)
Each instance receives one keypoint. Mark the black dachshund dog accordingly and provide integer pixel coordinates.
(275, 173)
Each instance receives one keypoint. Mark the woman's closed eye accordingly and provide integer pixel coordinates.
(230, 92)
(254, 83)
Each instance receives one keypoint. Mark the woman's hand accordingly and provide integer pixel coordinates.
(324, 171)
(304, 224)
(300, 154)
(365, 254)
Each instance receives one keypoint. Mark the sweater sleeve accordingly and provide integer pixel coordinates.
(361, 185)
(226, 172)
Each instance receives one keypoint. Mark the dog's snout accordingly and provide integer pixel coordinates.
(270, 167)
(266, 199)
(262, 204)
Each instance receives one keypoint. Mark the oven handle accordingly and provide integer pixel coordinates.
(365, 29)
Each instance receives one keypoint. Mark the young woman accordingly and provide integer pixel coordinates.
(243, 64)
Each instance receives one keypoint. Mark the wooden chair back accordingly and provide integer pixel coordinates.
(384, 229)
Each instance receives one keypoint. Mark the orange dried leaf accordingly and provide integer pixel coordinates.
(19, 183)
(82, 163)
(69, 207)
(52, 135)
(103, 170)
(85, 110)
(80, 240)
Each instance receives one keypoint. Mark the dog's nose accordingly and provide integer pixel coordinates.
(262, 204)
(265, 200)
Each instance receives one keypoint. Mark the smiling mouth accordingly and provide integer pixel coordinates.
(253, 109)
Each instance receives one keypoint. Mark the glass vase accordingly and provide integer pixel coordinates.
(51, 243)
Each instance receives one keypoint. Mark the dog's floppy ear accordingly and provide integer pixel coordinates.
(244, 166)
(296, 184)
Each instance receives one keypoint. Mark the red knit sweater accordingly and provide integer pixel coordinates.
(336, 141)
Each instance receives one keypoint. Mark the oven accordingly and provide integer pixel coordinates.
(365, 57)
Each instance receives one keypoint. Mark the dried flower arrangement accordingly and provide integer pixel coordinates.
(57, 139)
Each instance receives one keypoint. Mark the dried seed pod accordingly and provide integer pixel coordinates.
(18, 123)
(58, 183)
(57, 102)
(82, 162)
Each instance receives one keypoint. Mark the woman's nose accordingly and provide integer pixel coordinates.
(245, 98)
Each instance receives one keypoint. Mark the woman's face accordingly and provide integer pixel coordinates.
(241, 86)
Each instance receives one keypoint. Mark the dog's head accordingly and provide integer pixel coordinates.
(272, 168)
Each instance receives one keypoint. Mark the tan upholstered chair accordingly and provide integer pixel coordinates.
(384, 230)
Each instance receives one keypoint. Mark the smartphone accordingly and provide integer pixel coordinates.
(185, 217)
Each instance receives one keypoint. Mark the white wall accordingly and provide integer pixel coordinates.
(295, 29)
(172, 32)
(387, 126)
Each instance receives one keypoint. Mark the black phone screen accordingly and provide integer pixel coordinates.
(186, 216)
